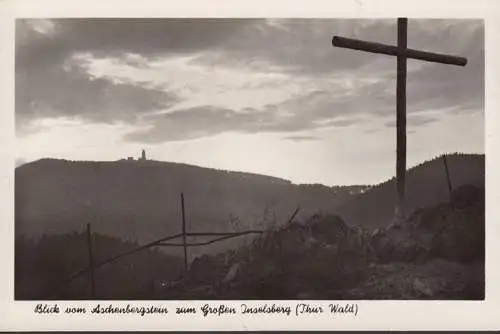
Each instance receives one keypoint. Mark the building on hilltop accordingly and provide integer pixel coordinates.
(141, 158)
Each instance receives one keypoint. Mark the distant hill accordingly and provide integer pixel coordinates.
(140, 200)
(425, 186)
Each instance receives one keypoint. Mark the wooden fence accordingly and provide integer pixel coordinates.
(165, 241)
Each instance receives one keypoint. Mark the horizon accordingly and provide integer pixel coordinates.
(137, 159)
(262, 96)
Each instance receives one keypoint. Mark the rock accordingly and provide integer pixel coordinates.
(290, 240)
(205, 268)
(466, 196)
(422, 287)
(398, 245)
(396, 224)
(311, 242)
(233, 271)
(229, 256)
(376, 232)
(328, 228)
(462, 238)
(461, 242)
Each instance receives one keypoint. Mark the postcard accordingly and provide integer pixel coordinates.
(249, 166)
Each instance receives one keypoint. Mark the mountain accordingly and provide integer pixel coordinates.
(426, 185)
(140, 200)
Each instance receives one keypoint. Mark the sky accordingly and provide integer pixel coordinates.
(267, 96)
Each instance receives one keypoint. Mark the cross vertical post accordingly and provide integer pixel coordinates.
(401, 117)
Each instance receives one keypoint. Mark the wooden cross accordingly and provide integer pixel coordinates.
(402, 53)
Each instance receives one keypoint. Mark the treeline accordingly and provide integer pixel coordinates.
(43, 265)
(426, 185)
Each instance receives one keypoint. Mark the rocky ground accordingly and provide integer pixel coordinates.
(437, 253)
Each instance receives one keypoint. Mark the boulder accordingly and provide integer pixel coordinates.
(328, 228)
(467, 196)
(422, 287)
(231, 274)
(204, 269)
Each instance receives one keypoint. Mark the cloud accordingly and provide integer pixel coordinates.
(198, 122)
(301, 138)
(45, 87)
(148, 36)
(345, 122)
(179, 79)
(204, 121)
(413, 121)
(69, 91)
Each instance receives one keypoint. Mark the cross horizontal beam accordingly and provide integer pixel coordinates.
(390, 50)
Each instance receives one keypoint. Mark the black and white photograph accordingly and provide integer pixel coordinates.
(249, 158)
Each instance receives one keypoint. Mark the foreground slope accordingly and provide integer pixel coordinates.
(437, 253)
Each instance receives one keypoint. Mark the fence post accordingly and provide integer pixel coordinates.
(448, 180)
(91, 263)
(184, 233)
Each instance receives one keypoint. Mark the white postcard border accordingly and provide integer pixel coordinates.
(373, 315)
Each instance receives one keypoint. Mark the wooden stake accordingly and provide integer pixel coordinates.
(91, 263)
(448, 179)
(184, 233)
(293, 215)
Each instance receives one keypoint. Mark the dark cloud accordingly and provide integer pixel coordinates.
(206, 121)
(199, 122)
(101, 36)
(54, 91)
(44, 88)
(438, 86)
(301, 47)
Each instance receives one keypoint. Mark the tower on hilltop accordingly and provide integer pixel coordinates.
(143, 155)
